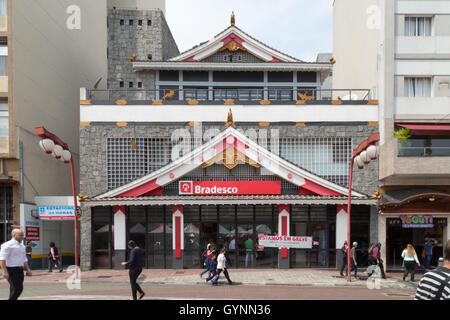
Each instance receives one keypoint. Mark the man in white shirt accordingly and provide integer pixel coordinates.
(13, 260)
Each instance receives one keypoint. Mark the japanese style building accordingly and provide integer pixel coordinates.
(225, 141)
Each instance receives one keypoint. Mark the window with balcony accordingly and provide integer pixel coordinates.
(424, 146)
(418, 87)
(418, 26)
(4, 127)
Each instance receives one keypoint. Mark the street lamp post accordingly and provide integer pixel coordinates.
(365, 152)
(51, 144)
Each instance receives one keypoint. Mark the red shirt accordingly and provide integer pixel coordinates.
(376, 252)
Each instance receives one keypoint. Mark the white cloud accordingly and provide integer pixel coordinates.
(300, 28)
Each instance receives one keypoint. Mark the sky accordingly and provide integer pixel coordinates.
(299, 28)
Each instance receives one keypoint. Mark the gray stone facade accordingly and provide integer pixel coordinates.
(124, 40)
(93, 155)
(93, 170)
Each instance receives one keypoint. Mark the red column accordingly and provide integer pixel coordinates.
(177, 233)
(283, 225)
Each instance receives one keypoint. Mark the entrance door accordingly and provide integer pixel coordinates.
(398, 237)
(138, 229)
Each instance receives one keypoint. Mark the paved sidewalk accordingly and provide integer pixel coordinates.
(289, 277)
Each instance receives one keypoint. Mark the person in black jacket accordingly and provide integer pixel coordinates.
(344, 257)
(135, 266)
(53, 258)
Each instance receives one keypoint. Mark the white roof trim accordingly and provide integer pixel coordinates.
(254, 47)
(191, 161)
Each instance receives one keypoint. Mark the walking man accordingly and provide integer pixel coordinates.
(135, 266)
(435, 285)
(12, 261)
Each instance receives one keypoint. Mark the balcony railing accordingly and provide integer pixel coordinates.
(424, 148)
(237, 94)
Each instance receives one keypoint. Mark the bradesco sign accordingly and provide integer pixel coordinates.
(228, 187)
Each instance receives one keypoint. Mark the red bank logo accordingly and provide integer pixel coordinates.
(185, 187)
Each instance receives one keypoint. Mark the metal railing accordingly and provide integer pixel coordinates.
(237, 94)
(424, 151)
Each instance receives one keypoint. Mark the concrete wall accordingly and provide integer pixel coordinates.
(50, 63)
(125, 40)
(355, 44)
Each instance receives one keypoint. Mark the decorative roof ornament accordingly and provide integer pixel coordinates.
(233, 18)
(230, 121)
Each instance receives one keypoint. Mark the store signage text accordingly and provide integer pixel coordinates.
(417, 221)
(32, 233)
(56, 213)
(285, 241)
(228, 187)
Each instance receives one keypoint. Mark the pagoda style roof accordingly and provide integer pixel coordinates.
(233, 39)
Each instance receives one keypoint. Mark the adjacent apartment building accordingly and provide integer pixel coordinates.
(44, 57)
(225, 141)
(402, 48)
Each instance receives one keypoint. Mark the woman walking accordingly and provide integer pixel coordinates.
(135, 266)
(410, 259)
(53, 258)
(212, 268)
(221, 266)
(206, 262)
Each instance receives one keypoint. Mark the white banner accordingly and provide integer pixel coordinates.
(56, 213)
(285, 241)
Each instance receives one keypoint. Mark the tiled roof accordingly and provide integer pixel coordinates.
(256, 40)
(220, 199)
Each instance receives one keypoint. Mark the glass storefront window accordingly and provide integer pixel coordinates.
(191, 257)
(319, 223)
(103, 238)
(137, 229)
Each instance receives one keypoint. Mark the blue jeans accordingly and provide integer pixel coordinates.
(246, 258)
(427, 261)
(204, 271)
(29, 261)
(355, 268)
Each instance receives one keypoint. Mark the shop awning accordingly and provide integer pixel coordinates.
(222, 200)
(427, 129)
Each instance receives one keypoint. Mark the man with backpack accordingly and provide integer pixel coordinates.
(435, 285)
